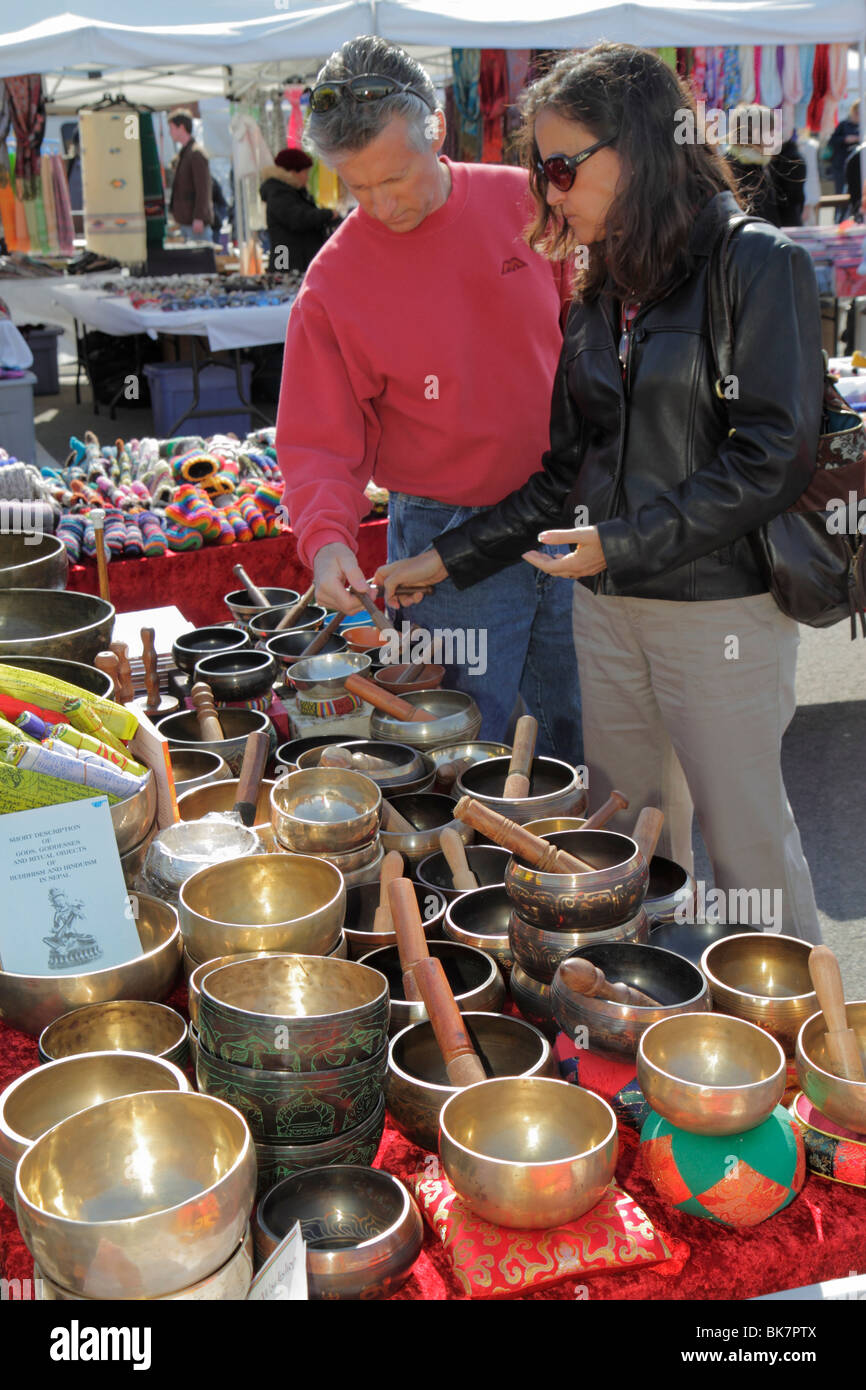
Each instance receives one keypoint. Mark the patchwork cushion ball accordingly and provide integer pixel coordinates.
(735, 1179)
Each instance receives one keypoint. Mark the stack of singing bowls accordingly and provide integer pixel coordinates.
(297, 1044)
(331, 813)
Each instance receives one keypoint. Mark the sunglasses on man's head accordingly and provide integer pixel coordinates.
(326, 95)
(561, 169)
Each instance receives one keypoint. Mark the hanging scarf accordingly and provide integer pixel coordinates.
(517, 66)
(698, 74)
(771, 86)
(732, 77)
(493, 98)
(792, 88)
(295, 127)
(837, 85)
(5, 127)
(669, 56)
(62, 206)
(820, 84)
(28, 120)
(151, 178)
(746, 59)
(51, 229)
(807, 63)
(467, 70)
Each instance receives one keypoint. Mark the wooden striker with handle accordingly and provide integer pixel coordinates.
(842, 1048)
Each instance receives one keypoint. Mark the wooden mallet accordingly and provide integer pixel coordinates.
(615, 802)
(535, 851)
(585, 978)
(520, 763)
(208, 719)
(455, 855)
(392, 869)
(255, 594)
(97, 517)
(291, 617)
(411, 941)
(843, 1051)
(250, 780)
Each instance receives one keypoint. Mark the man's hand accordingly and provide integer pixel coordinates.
(197, 226)
(587, 558)
(424, 569)
(335, 567)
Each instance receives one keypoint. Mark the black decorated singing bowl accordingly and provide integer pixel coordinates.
(474, 978)
(361, 904)
(293, 1107)
(289, 647)
(88, 678)
(30, 560)
(362, 1230)
(417, 1085)
(262, 626)
(54, 622)
(763, 978)
(532, 998)
(604, 1026)
(541, 952)
(358, 1146)
(838, 1099)
(480, 918)
(487, 862)
(429, 814)
(200, 642)
(554, 789)
(611, 893)
(235, 676)
(242, 608)
(123, 1025)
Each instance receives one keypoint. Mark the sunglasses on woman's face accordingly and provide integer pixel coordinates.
(326, 95)
(561, 169)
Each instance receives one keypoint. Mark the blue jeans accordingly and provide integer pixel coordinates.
(525, 617)
(190, 235)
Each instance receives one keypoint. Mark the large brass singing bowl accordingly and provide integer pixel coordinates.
(221, 796)
(474, 978)
(54, 622)
(532, 998)
(88, 678)
(363, 1232)
(325, 810)
(262, 902)
(480, 918)
(764, 979)
(457, 719)
(357, 1146)
(710, 1073)
(133, 817)
(184, 731)
(292, 1107)
(139, 1196)
(361, 905)
(230, 1283)
(124, 1025)
(430, 814)
(41, 1098)
(554, 789)
(32, 561)
(838, 1099)
(611, 893)
(31, 1002)
(417, 1085)
(542, 952)
(196, 970)
(293, 1013)
(528, 1152)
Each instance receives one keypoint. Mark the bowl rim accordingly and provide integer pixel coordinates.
(816, 1066)
(109, 613)
(244, 637)
(229, 598)
(360, 1174)
(302, 821)
(547, 1050)
(638, 1008)
(696, 1086)
(255, 654)
(713, 979)
(109, 969)
(107, 1004)
(518, 863)
(353, 932)
(524, 800)
(338, 963)
(43, 536)
(248, 858)
(281, 608)
(209, 745)
(469, 893)
(535, 1163)
(492, 972)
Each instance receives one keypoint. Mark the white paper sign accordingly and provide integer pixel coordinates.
(283, 1277)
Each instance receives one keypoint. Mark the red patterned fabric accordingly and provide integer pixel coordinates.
(820, 86)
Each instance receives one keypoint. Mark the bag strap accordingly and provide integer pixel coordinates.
(719, 316)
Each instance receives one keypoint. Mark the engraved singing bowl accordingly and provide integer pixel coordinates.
(234, 676)
(221, 796)
(290, 1106)
(474, 978)
(88, 678)
(711, 1073)
(288, 647)
(430, 814)
(324, 677)
(325, 810)
(31, 1002)
(679, 987)
(262, 902)
(242, 608)
(358, 1145)
(611, 893)
(124, 1025)
(184, 731)
(139, 1196)
(670, 891)
(230, 1283)
(41, 1098)
(528, 1152)
(417, 1085)
(362, 1230)
(54, 622)
(838, 1099)
(361, 904)
(532, 998)
(487, 863)
(541, 952)
(293, 1013)
(265, 621)
(554, 789)
(763, 978)
(199, 642)
(456, 719)
(132, 817)
(32, 561)
(194, 767)
(480, 918)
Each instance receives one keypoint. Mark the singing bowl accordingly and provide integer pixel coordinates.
(139, 1196)
(528, 1152)
(365, 639)
(88, 678)
(480, 918)
(541, 952)
(132, 817)
(32, 561)
(265, 621)
(230, 1283)
(293, 1013)
(132, 862)
(195, 971)
(232, 676)
(184, 731)
(200, 642)
(221, 796)
(430, 677)
(670, 893)
(475, 752)
(357, 1146)
(242, 608)
(691, 939)
(473, 976)
(764, 979)
(554, 789)
(55, 623)
(41, 1098)
(456, 719)
(324, 677)
(532, 998)
(487, 863)
(838, 1099)
(404, 764)
(325, 810)
(710, 1073)
(195, 767)
(294, 1107)
(417, 1085)
(287, 754)
(31, 1002)
(551, 825)
(611, 893)
(430, 814)
(678, 985)
(262, 902)
(124, 1025)
(288, 647)
(362, 1230)
(361, 904)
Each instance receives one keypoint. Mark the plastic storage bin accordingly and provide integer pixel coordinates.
(171, 394)
(17, 432)
(42, 338)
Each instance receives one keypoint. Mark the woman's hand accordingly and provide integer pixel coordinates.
(587, 558)
(411, 576)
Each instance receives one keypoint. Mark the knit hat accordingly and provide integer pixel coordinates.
(293, 161)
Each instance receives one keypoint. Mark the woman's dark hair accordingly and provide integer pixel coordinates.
(616, 90)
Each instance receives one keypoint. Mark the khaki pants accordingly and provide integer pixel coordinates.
(684, 707)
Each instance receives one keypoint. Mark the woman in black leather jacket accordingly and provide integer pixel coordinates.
(658, 472)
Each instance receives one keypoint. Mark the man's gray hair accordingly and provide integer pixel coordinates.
(351, 125)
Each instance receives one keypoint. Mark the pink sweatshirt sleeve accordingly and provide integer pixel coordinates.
(327, 434)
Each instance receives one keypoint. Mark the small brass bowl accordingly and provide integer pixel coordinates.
(541, 952)
(221, 796)
(194, 768)
(487, 863)
(430, 677)
(291, 1107)
(132, 817)
(358, 1145)
(610, 894)
(41, 1098)
(554, 789)
(54, 622)
(430, 814)
(288, 647)
(242, 608)
(456, 719)
(125, 1025)
(31, 1002)
(293, 1013)
(362, 1230)
(763, 978)
(417, 1085)
(710, 1073)
(184, 731)
(199, 642)
(325, 810)
(840, 1100)
(263, 625)
(32, 561)
(230, 1283)
(532, 998)
(528, 1152)
(138, 1196)
(480, 918)
(232, 676)
(88, 678)
(361, 904)
(474, 978)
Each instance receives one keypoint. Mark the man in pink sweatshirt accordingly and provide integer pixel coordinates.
(421, 352)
